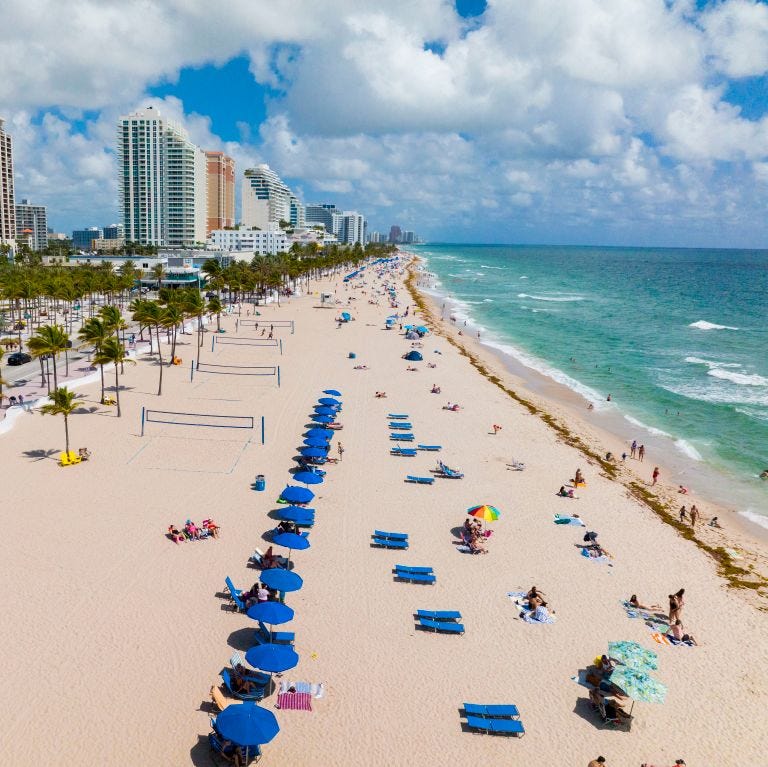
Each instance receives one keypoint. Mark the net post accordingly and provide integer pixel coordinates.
(192, 371)
(142, 420)
(281, 347)
(213, 343)
(262, 430)
(292, 326)
(278, 376)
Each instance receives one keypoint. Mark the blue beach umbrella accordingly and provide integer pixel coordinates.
(317, 431)
(294, 494)
(422, 329)
(291, 541)
(328, 401)
(332, 392)
(273, 613)
(323, 418)
(324, 410)
(296, 514)
(316, 442)
(272, 657)
(312, 452)
(281, 580)
(308, 478)
(247, 724)
(346, 316)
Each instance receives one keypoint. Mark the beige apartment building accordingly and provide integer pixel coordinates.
(7, 200)
(221, 191)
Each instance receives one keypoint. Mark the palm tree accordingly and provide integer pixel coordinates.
(158, 272)
(172, 318)
(49, 339)
(215, 307)
(94, 333)
(113, 319)
(194, 306)
(112, 351)
(150, 313)
(62, 402)
(3, 382)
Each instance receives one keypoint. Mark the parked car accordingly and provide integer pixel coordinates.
(19, 358)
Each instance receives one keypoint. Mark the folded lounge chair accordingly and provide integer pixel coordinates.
(439, 615)
(390, 540)
(398, 416)
(406, 452)
(420, 480)
(431, 448)
(415, 574)
(501, 711)
(394, 536)
(402, 425)
(445, 627)
(496, 726)
(404, 437)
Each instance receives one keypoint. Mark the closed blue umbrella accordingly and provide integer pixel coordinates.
(296, 514)
(271, 612)
(317, 431)
(316, 442)
(308, 478)
(247, 724)
(312, 452)
(272, 657)
(294, 494)
(323, 410)
(332, 392)
(328, 401)
(323, 418)
(281, 580)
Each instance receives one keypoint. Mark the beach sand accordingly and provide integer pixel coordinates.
(114, 635)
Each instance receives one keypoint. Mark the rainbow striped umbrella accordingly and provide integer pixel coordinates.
(485, 512)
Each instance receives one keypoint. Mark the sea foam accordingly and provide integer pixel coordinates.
(558, 299)
(704, 325)
(753, 516)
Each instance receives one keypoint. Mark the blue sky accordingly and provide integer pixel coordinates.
(629, 122)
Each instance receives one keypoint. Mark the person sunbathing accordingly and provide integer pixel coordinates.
(677, 633)
(360, 367)
(538, 612)
(176, 535)
(380, 394)
(635, 602)
(534, 593)
(565, 493)
(191, 528)
(579, 478)
(476, 544)
(435, 389)
(287, 527)
(242, 685)
(211, 527)
(271, 560)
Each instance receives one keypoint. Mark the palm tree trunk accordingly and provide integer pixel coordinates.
(117, 392)
(66, 433)
(102, 383)
(42, 373)
(199, 335)
(66, 357)
(160, 355)
(55, 376)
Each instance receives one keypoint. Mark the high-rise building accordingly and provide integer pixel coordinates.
(352, 228)
(83, 239)
(395, 233)
(320, 214)
(298, 216)
(266, 198)
(32, 225)
(162, 181)
(114, 231)
(221, 191)
(408, 237)
(7, 200)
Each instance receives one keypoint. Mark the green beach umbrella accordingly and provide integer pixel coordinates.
(638, 685)
(634, 655)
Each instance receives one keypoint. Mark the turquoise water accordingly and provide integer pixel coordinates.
(679, 338)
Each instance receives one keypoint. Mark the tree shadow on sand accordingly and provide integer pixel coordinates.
(41, 454)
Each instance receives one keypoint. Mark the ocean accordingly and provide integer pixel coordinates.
(677, 337)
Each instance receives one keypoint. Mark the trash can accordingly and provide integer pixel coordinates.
(352, 355)
(260, 482)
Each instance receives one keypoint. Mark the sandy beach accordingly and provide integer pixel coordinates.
(115, 635)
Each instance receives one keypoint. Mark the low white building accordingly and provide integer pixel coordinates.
(262, 242)
(306, 236)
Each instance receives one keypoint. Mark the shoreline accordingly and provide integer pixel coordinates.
(740, 550)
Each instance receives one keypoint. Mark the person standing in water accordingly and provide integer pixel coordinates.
(641, 453)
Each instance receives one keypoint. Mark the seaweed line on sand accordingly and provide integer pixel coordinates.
(736, 577)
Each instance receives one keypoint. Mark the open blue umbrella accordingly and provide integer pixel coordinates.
(281, 580)
(270, 612)
(332, 392)
(346, 316)
(317, 431)
(324, 410)
(308, 478)
(316, 442)
(323, 418)
(247, 724)
(312, 452)
(296, 514)
(272, 657)
(328, 401)
(294, 494)
(291, 541)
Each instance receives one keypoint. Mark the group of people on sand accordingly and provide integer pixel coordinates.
(605, 697)
(191, 532)
(676, 631)
(259, 592)
(592, 547)
(534, 608)
(474, 537)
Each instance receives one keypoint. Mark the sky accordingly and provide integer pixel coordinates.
(615, 122)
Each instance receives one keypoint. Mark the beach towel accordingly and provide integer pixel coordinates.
(576, 521)
(668, 640)
(315, 689)
(296, 701)
(515, 595)
(601, 558)
(539, 615)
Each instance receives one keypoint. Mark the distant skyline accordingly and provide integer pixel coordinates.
(615, 122)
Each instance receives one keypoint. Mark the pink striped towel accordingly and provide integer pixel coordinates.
(298, 701)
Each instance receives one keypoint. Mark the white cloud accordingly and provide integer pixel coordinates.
(737, 34)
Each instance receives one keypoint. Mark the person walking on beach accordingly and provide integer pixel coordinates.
(633, 449)
(655, 475)
(694, 515)
(340, 448)
(641, 453)
(599, 762)
(682, 513)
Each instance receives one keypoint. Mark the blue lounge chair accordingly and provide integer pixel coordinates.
(431, 448)
(234, 594)
(257, 694)
(406, 452)
(446, 471)
(420, 480)
(415, 574)
(500, 711)
(398, 416)
(262, 636)
(496, 726)
(446, 627)
(393, 536)
(402, 426)
(439, 615)
(389, 543)
(404, 437)
(217, 746)
(237, 662)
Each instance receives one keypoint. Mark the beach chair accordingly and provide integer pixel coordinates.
(446, 471)
(393, 536)
(69, 459)
(420, 480)
(402, 426)
(430, 448)
(398, 416)
(404, 437)
(390, 540)
(217, 747)
(496, 726)
(258, 692)
(234, 594)
(264, 636)
(500, 711)
(439, 615)
(405, 452)
(257, 558)
(415, 574)
(444, 627)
